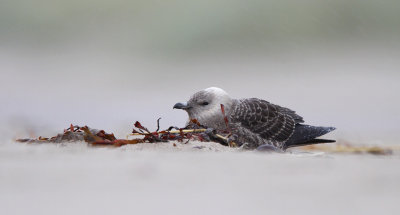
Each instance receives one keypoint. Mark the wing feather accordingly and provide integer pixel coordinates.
(269, 121)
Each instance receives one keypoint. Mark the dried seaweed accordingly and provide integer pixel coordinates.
(94, 137)
(193, 131)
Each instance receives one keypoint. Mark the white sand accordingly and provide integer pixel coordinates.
(163, 179)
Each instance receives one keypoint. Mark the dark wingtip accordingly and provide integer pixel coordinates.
(325, 130)
(331, 129)
(321, 141)
(310, 142)
(306, 134)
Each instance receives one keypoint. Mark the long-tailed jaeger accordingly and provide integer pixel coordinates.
(252, 122)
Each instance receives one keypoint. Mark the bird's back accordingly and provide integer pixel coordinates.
(257, 122)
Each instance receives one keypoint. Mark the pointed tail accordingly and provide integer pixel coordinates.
(307, 134)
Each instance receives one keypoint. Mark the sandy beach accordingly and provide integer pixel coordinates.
(196, 178)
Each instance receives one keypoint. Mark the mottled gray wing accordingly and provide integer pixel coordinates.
(291, 113)
(270, 121)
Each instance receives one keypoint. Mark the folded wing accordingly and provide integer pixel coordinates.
(269, 121)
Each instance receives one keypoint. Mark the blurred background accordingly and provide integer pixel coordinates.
(106, 64)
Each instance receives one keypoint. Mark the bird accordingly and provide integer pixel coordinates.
(253, 123)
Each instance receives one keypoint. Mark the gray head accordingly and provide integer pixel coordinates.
(205, 106)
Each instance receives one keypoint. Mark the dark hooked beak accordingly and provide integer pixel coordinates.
(182, 106)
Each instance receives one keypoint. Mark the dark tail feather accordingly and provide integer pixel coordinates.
(307, 134)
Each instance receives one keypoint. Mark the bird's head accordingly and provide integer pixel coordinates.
(205, 106)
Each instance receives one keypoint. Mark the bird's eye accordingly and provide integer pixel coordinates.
(204, 103)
